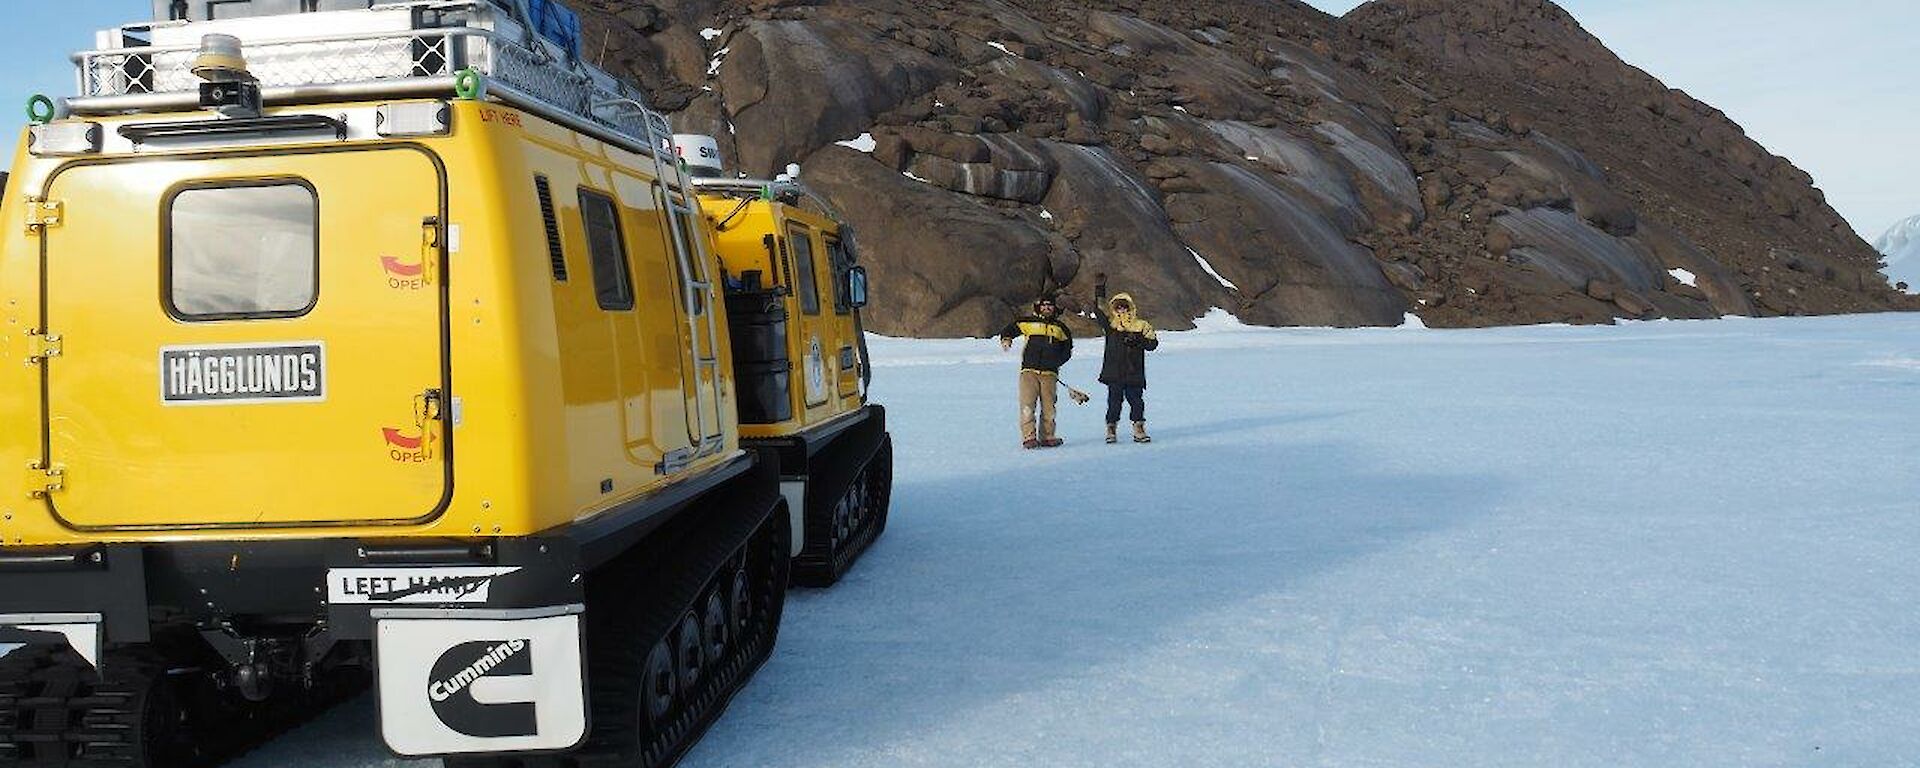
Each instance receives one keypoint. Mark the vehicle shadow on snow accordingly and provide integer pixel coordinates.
(990, 591)
(993, 590)
(1225, 427)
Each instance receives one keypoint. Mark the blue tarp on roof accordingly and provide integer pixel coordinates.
(556, 22)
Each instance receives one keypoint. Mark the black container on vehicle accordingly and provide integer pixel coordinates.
(762, 372)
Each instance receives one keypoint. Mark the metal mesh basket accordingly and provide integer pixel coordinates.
(323, 61)
(417, 54)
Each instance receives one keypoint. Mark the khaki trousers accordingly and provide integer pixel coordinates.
(1038, 396)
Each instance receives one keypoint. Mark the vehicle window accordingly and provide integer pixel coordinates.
(837, 255)
(556, 254)
(612, 283)
(805, 284)
(249, 251)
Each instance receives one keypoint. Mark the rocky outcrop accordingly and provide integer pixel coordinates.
(1475, 162)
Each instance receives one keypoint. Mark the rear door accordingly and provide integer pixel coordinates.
(249, 342)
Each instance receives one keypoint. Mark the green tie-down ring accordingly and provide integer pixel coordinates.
(40, 110)
(469, 84)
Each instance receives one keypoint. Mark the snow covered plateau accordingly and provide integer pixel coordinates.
(1901, 246)
(1657, 544)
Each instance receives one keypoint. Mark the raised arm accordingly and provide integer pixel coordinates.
(1100, 301)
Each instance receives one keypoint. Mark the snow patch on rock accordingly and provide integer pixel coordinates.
(1686, 278)
(719, 57)
(1001, 47)
(1208, 266)
(710, 33)
(862, 143)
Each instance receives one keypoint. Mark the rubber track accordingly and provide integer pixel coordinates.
(633, 603)
(695, 576)
(57, 712)
(821, 563)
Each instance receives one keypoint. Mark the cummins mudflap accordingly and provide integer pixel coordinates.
(389, 344)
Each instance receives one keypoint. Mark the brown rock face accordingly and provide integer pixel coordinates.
(1477, 162)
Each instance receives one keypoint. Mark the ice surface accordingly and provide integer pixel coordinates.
(1659, 544)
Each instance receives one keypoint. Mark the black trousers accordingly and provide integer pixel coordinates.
(1136, 397)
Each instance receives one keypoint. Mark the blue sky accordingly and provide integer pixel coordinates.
(1834, 86)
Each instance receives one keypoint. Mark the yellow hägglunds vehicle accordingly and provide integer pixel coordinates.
(794, 293)
(349, 338)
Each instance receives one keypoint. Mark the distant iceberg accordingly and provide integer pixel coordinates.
(1901, 246)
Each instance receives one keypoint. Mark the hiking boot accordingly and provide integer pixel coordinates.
(1140, 433)
(1113, 434)
(1053, 442)
(1030, 444)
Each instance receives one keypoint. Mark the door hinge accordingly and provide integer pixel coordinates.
(43, 214)
(42, 346)
(44, 480)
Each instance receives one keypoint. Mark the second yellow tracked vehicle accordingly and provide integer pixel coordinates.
(794, 291)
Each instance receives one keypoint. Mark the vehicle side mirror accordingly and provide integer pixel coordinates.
(857, 287)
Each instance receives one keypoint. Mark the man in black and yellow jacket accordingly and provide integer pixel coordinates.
(1049, 346)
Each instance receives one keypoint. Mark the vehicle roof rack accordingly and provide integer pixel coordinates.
(420, 48)
(785, 189)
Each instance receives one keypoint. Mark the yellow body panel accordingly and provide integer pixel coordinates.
(824, 344)
(551, 409)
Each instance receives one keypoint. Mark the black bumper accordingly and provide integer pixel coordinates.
(268, 584)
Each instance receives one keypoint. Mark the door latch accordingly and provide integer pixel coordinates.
(427, 407)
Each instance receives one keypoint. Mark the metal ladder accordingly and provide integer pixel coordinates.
(705, 430)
